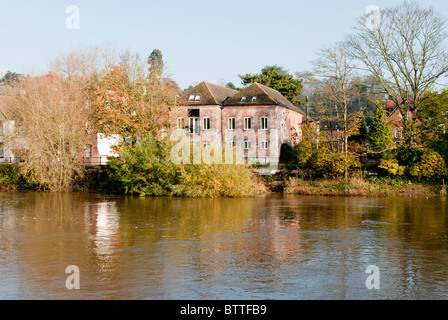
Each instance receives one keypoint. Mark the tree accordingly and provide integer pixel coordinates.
(51, 121)
(336, 82)
(433, 127)
(276, 78)
(10, 78)
(380, 135)
(156, 63)
(132, 107)
(405, 52)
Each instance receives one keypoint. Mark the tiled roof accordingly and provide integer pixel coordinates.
(210, 94)
(264, 96)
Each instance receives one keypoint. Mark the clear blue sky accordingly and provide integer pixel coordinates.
(201, 40)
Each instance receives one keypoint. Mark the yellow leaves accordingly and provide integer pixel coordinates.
(392, 167)
(430, 166)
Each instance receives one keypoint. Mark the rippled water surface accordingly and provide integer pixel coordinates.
(276, 247)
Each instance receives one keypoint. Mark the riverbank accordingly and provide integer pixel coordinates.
(98, 180)
(289, 182)
(361, 187)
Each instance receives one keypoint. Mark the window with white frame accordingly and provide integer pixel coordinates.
(247, 144)
(88, 151)
(197, 97)
(264, 144)
(247, 123)
(191, 98)
(231, 125)
(408, 115)
(264, 123)
(194, 125)
(398, 133)
(231, 144)
(206, 123)
(180, 123)
(254, 99)
(243, 99)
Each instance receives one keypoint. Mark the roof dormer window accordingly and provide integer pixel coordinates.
(254, 99)
(243, 99)
(194, 97)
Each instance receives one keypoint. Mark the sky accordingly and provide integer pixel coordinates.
(201, 40)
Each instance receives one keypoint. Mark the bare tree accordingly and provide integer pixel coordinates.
(336, 83)
(403, 48)
(52, 120)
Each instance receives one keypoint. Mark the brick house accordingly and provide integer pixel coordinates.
(256, 120)
(99, 149)
(395, 118)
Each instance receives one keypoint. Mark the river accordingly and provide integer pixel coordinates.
(274, 247)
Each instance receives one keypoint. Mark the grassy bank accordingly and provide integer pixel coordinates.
(355, 186)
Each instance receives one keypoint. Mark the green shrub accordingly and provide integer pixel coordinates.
(9, 175)
(304, 152)
(146, 170)
(431, 166)
(328, 164)
(288, 154)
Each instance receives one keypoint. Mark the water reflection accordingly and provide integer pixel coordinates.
(277, 247)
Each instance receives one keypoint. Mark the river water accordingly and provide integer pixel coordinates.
(274, 247)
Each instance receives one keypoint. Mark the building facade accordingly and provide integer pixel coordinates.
(256, 120)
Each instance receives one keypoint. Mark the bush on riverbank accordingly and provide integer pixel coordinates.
(12, 180)
(358, 186)
(146, 170)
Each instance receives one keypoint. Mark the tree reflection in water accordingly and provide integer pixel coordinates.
(274, 247)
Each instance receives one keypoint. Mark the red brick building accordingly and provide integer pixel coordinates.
(256, 120)
(396, 118)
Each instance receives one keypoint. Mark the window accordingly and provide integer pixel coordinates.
(231, 144)
(264, 123)
(206, 124)
(247, 144)
(247, 123)
(254, 99)
(180, 123)
(243, 99)
(107, 105)
(398, 133)
(264, 144)
(408, 115)
(231, 124)
(88, 151)
(2, 151)
(194, 97)
(194, 125)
